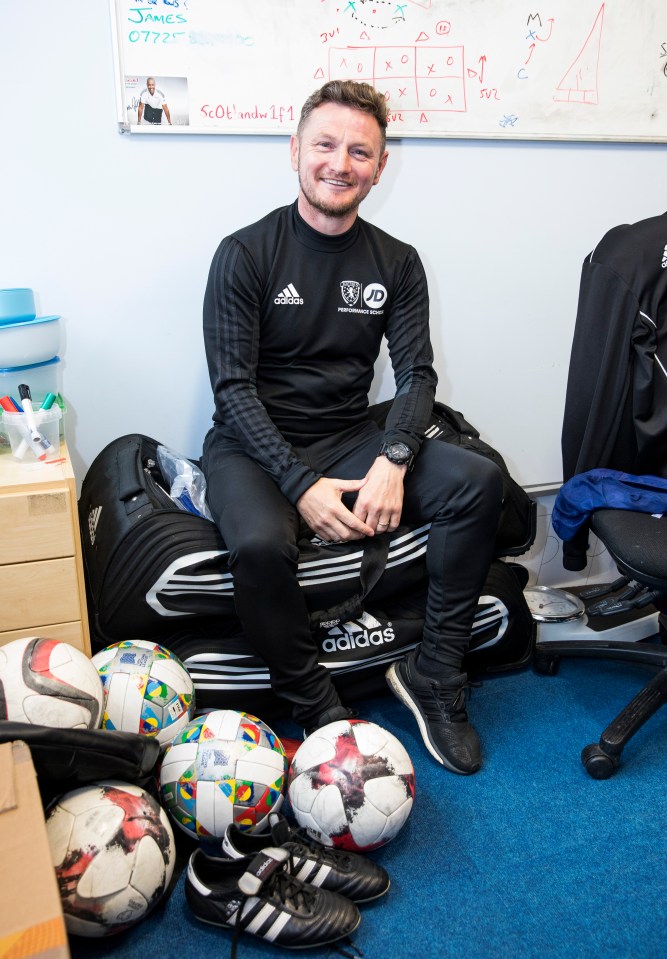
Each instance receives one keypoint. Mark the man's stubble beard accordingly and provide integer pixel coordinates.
(339, 212)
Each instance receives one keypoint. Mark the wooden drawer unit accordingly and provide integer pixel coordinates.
(72, 633)
(36, 525)
(42, 589)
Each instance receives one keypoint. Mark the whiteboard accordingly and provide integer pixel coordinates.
(569, 70)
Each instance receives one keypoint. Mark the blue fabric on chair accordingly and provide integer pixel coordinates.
(605, 489)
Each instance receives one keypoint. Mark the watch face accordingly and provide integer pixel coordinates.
(398, 452)
(549, 604)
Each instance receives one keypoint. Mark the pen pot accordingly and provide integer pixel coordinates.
(15, 427)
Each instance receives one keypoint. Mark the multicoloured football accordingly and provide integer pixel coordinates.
(147, 689)
(351, 785)
(224, 767)
(114, 852)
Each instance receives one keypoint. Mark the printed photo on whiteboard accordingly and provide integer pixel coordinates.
(157, 101)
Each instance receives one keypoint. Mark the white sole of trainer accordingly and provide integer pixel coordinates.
(400, 691)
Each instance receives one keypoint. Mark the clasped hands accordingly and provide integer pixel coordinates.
(377, 508)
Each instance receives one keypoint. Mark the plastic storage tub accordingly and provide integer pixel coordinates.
(42, 378)
(26, 342)
(48, 423)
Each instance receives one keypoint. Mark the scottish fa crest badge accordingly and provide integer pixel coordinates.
(350, 290)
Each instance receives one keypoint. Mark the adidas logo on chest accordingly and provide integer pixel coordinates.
(288, 296)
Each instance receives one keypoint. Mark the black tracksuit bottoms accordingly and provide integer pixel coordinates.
(459, 492)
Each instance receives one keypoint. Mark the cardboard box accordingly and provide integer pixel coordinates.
(31, 918)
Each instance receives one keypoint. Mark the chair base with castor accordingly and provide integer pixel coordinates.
(637, 542)
(602, 759)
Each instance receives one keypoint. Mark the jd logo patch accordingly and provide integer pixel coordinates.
(374, 295)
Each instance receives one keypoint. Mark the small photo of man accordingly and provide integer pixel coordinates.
(152, 104)
(157, 101)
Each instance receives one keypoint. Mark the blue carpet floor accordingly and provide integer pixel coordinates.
(528, 858)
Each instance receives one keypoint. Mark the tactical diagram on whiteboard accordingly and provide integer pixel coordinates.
(492, 68)
(433, 79)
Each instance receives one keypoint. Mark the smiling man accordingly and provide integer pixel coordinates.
(152, 104)
(295, 311)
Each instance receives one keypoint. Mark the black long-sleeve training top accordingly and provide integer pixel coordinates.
(616, 403)
(293, 324)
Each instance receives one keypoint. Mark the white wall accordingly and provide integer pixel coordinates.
(116, 233)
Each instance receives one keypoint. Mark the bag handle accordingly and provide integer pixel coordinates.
(373, 564)
(131, 486)
(454, 419)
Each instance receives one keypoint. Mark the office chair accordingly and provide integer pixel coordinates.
(615, 418)
(637, 542)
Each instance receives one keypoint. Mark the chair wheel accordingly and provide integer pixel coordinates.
(546, 664)
(597, 763)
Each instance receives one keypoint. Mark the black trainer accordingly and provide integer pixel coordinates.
(331, 715)
(258, 895)
(440, 711)
(347, 873)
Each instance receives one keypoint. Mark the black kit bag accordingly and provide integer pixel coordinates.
(66, 759)
(155, 571)
(149, 564)
(227, 674)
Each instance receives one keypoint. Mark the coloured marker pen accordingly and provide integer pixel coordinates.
(36, 436)
(27, 441)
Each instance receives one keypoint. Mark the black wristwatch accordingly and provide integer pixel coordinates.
(398, 453)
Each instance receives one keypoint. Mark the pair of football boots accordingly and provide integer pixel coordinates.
(283, 887)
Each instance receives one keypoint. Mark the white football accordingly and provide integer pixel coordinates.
(114, 853)
(49, 683)
(351, 785)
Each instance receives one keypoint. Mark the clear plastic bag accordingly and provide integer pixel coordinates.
(187, 483)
